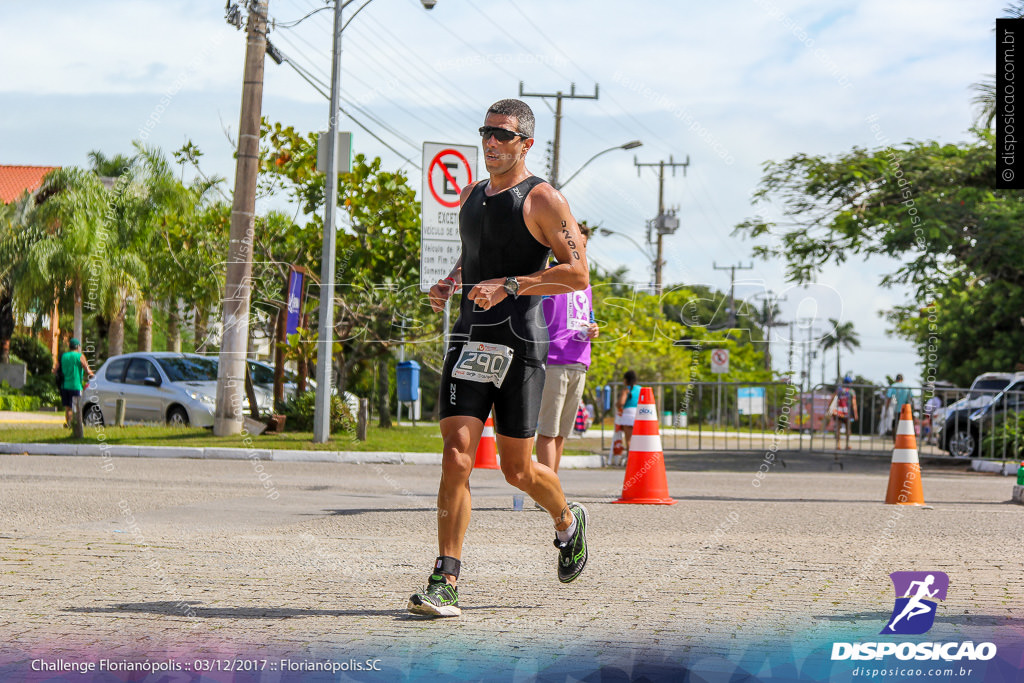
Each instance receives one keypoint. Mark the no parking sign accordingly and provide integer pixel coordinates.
(720, 361)
(447, 170)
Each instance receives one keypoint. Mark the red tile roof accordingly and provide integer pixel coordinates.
(16, 179)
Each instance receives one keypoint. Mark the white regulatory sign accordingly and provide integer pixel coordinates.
(447, 169)
(720, 360)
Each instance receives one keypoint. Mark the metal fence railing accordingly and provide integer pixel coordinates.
(757, 416)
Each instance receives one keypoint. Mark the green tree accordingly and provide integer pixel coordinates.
(637, 334)
(70, 219)
(960, 241)
(377, 298)
(16, 236)
(179, 237)
(109, 166)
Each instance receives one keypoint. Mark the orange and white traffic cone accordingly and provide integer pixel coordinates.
(645, 480)
(487, 451)
(618, 449)
(905, 471)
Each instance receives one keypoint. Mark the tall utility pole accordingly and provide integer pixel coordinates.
(665, 224)
(559, 96)
(811, 354)
(769, 302)
(232, 371)
(325, 334)
(732, 287)
(792, 341)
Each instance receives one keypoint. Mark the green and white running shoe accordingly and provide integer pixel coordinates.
(572, 555)
(440, 599)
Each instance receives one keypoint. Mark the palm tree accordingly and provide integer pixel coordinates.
(985, 91)
(109, 167)
(68, 256)
(842, 334)
(174, 235)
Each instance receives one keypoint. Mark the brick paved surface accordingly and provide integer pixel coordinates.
(163, 556)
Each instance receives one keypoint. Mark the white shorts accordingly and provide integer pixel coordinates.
(627, 418)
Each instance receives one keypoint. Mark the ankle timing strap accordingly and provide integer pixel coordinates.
(448, 565)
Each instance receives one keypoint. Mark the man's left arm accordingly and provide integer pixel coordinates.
(547, 213)
(548, 218)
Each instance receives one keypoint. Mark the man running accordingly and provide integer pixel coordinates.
(508, 223)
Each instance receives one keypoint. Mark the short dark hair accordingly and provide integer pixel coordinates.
(519, 109)
(899, 378)
(630, 377)
(584, 229)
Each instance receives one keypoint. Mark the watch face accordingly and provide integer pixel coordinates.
(512, 285)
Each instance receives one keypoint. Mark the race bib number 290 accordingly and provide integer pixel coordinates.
(480, 362)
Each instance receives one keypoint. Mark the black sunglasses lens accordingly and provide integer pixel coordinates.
(500, 134)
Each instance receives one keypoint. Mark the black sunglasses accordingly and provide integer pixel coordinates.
(500, 134)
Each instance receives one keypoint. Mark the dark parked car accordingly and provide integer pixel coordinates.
(957, 434)
(986, 420)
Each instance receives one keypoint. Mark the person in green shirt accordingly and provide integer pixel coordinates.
(898, 394)
(73, 366)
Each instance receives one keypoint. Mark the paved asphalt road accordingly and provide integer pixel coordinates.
(166, 556)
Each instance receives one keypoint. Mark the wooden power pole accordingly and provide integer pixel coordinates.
(232, 370)
(664, 223)
(557, 141)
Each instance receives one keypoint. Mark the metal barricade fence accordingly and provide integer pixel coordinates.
(758, 416)
(725, 416)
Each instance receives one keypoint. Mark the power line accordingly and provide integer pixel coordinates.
(319, 87)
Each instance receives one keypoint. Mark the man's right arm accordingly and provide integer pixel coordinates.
(443, 290)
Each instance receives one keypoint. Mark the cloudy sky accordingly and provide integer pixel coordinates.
(726, 85)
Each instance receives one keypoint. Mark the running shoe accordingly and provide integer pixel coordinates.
(440, 599)
(572, 554)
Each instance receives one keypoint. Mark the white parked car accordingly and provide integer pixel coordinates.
(158, 387)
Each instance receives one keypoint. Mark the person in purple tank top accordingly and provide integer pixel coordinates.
(571, 326)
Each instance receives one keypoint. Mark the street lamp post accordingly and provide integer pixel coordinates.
(325, 334)
(633, 144)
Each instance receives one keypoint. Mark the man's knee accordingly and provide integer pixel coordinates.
(456, 462)
(520, 477)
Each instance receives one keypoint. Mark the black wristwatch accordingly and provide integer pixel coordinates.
(512, 286)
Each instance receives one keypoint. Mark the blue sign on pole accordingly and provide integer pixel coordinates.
(295, 279)
(750, 400)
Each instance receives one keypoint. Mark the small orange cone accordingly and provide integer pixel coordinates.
(645, 481)
(905, 471)
(487, 451)
(618, 444)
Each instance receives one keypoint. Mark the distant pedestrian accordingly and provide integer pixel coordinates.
(843, 410)
(629, 397)
(72, 368)
(896, 397)
(571, 326)
(931, 413)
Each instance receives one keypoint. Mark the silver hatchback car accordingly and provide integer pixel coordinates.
(158, 387)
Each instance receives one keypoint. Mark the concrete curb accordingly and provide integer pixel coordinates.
(570, 462)
(1004, 468)
(304, 456)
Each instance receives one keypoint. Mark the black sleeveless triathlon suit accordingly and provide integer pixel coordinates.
(496, 244)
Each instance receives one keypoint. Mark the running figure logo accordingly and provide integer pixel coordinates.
(914, 613)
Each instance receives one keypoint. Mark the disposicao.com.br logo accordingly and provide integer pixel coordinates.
(914, 614)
